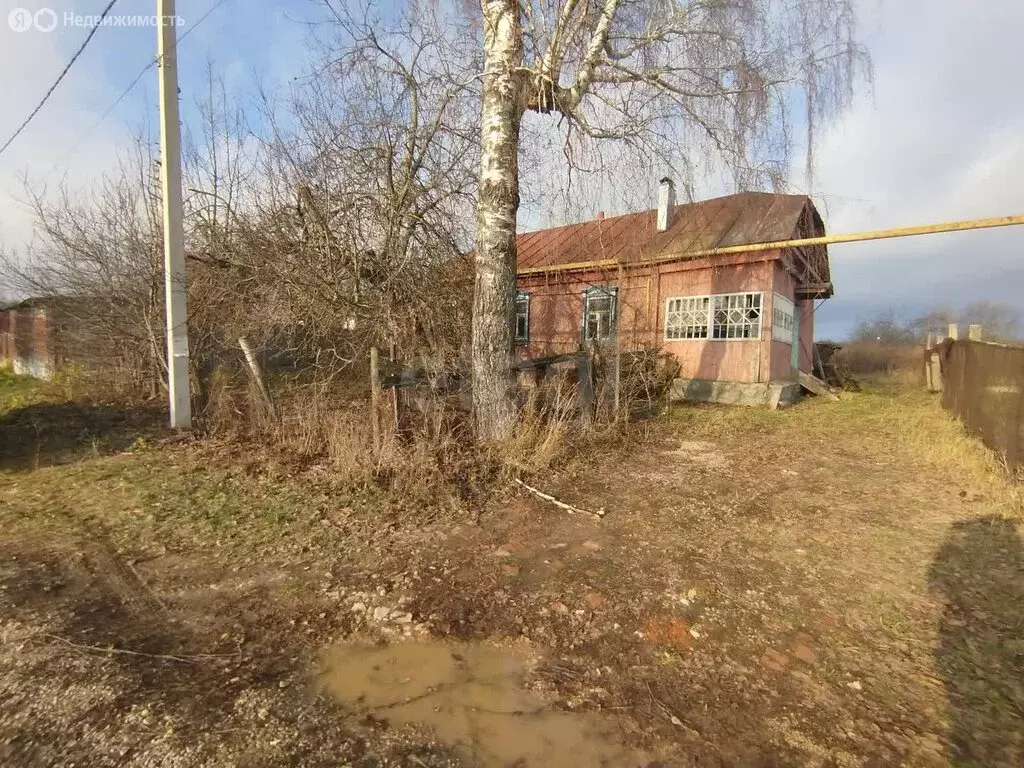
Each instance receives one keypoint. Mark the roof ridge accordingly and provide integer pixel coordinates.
(706, 201)
(742, 217)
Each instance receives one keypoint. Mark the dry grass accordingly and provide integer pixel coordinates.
(901, 364)
(432, 457)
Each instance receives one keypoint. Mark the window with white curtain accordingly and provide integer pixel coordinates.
(599, 313)
(783, 318)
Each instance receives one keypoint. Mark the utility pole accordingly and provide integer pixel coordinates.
(174, 231)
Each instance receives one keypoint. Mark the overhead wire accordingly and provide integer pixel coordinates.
(60, 77)
(142, 72)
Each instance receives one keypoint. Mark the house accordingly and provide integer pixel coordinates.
(689, 279)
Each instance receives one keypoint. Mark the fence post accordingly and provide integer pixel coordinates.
(375, 399)
(928, 343)
(584, 372)
(394, 390)
(257, 374)
(974, 331)
(618, 343)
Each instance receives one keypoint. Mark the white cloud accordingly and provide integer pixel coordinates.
(33, 59)
(941, 138)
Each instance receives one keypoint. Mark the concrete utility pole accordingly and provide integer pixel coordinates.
(174, 232)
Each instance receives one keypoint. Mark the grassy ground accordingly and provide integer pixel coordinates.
(834, 584)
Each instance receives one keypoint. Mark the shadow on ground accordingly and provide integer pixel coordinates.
(979, 572)
(56, 433)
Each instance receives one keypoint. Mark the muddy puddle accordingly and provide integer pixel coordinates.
(472, 697)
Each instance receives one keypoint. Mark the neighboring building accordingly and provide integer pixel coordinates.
(26, 338)
(745, 317)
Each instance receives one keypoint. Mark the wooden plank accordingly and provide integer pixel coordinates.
(817, 386)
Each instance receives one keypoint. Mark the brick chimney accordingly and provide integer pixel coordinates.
(666, 203)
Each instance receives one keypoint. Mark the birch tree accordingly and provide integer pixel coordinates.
(723, 78)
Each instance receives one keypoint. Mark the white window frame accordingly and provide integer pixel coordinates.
(522, 341)
(600, 292)
(688, 308)
(781, 330)
(709, 327)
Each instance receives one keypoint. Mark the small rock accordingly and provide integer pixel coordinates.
(805, 653)
(855, 685)
(501, 552)
(283, 684)
(560, 545)
(510, 569)
(262, 713)
(668, 630)
(381, 612)
(594, 600)
(358, 607)
(593, 546)
(402, 618)
(560, 607)
(694, 633)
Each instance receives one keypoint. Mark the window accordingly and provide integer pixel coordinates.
(737, 316)
(782, 319)
(687, 318)
(522, 318)
(599, 313)
(724, 316)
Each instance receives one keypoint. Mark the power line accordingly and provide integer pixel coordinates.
(60, 77)
(126, 91)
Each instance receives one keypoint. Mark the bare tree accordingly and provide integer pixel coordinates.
(723, 77)
(886, 329)
(99, 252)
(999, 321)
(362, 215)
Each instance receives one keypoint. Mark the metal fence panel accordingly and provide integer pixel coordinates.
(982, 384)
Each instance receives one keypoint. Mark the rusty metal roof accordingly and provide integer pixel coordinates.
(741, 219)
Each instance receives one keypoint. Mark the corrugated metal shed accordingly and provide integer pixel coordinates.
(745, 218)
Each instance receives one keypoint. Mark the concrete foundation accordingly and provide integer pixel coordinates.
(774, 394)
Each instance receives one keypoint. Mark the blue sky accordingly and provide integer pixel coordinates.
(941, 135)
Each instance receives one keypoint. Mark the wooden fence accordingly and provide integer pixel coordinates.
(983, 384)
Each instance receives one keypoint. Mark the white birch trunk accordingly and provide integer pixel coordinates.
(498, 202)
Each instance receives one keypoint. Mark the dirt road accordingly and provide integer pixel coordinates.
(835, 584)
